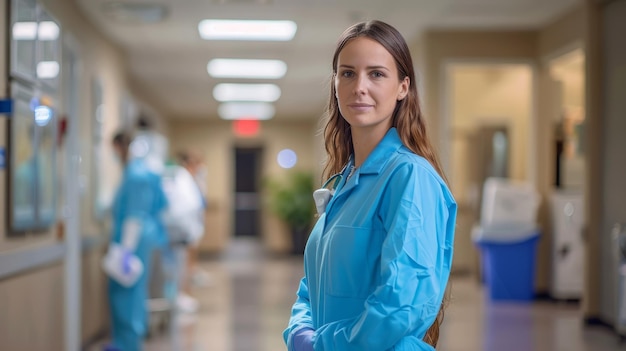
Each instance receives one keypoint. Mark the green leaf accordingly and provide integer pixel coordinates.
(292, 200)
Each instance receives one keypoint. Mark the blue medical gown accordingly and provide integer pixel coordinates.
(140, 196)
(378, 260)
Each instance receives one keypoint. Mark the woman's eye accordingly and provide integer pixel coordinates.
(377, 74)
(347, 74)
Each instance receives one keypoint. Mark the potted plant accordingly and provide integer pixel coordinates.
(292, 201)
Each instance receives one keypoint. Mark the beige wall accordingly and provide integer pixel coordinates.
(484, 95)
(215, 141)
(32, 310)
(94, 307)
(560, 37)
(569, 69)
(613, 167)
(440, 47)
(594, 101)
(489, 95)
(436, 50)
(562, 33)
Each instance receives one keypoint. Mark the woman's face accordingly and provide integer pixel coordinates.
(367, 85)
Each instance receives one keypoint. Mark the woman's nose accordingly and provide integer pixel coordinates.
(360, 85)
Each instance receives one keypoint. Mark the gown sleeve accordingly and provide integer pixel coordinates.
(300, 314)
(418, 215)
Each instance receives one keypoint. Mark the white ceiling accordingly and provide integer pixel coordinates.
(168, 59)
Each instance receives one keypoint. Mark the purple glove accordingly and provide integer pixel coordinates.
(126, 261)
(303, 340)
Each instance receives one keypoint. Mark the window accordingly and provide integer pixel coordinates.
(34, 75)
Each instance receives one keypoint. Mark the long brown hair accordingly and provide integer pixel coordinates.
(407, 117)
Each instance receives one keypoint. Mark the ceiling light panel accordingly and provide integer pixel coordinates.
(249, 69)
(246, 110)
(246, 92)
(214, 29)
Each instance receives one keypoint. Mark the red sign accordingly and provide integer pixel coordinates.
(246, 127)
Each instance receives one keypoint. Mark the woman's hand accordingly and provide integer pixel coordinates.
(303, 340)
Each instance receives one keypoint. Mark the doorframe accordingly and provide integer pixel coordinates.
(545, 61)
(72, 210)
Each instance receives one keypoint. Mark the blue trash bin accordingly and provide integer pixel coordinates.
(508, 265)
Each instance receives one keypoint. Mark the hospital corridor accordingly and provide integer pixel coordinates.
(246, 175)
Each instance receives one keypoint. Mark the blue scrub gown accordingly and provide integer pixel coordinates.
(378, 260)
(140, 196)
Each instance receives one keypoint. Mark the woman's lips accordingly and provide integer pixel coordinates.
(360, 107)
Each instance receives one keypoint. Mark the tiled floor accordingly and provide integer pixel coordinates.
(474, 323)
(247, 306)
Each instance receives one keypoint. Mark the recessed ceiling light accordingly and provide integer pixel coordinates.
(213, 29)
(242, 68)
(246, 110)
(246, 92)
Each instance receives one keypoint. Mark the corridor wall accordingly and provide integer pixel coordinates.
(31, 264)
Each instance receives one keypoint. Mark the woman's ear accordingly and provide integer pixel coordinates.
(403, 89)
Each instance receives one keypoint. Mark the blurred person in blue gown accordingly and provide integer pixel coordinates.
(137, 231)
(377, 262)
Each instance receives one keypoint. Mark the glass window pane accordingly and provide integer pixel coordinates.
(48, 65)
(33, 160)
(46, 163)
(23, 38)
(22, 162)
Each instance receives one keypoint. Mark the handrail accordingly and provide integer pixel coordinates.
(20, 261)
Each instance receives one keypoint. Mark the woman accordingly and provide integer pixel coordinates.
(378, 260)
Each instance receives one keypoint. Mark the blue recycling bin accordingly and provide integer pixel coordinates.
(508, 266)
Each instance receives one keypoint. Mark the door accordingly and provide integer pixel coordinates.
(247, 181)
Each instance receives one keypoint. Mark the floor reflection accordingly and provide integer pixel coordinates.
(247, 304)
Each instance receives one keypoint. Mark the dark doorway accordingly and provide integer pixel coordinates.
(247, 199)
